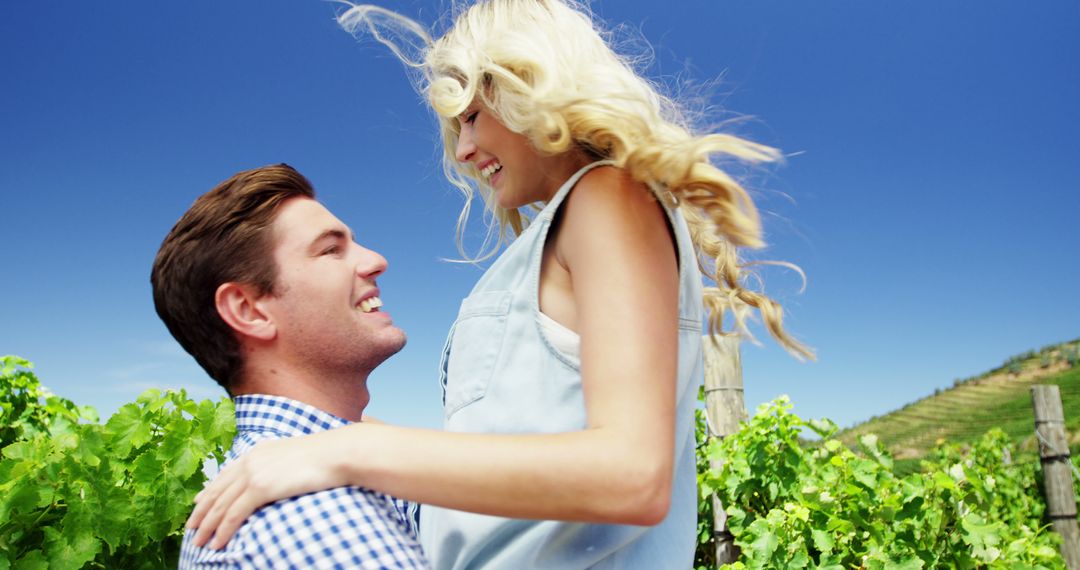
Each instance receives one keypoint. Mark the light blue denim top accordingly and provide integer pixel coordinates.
(501, 375)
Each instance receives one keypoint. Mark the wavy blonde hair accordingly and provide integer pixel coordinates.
(547, 71)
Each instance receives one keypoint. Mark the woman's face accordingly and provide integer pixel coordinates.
(518, 172)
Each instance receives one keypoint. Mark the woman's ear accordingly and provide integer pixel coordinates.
(238, 306)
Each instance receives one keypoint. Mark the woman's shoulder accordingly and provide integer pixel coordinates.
(609, 185)
(608, 202)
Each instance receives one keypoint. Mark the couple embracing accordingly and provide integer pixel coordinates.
(570, 376)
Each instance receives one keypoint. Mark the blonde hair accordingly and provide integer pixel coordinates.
(546, 71)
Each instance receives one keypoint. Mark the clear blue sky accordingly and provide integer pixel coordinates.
(931, 193)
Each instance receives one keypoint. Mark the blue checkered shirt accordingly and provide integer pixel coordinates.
(346, 527)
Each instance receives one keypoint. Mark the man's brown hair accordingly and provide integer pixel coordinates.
(224, 237)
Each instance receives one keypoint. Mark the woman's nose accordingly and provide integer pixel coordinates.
(466, 148)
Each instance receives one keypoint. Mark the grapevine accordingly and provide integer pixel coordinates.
(794, 503)
(77, 493)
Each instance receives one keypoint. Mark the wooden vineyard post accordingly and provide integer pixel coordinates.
(724, 410)
(1057, 470)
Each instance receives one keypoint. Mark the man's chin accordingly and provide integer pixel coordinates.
(392, 344)
(400, 345)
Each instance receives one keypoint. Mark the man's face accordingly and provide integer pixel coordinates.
(326, 305)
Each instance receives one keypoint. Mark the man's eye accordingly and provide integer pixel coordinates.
(332, 250)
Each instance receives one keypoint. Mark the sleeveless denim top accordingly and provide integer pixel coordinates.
(500, 375)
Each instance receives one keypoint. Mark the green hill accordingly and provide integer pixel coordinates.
(998, 398)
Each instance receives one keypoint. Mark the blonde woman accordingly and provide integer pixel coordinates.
(570, 375)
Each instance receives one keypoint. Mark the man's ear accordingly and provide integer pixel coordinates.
(238, 304)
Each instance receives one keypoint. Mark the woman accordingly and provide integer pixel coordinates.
(570, 374)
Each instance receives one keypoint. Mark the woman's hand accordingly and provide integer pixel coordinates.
(271, 471)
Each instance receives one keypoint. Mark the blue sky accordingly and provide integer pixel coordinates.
(930, 193)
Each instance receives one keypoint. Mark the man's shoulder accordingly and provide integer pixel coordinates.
(247, 439)
(343, 527)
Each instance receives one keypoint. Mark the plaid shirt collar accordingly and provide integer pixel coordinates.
(283, 416)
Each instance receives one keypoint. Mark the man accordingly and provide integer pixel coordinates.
(271, 295)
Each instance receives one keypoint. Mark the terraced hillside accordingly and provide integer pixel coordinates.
(998, 398)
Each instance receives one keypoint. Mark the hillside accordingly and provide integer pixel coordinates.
(998, 398)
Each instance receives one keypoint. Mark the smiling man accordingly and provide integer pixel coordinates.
(272, 296)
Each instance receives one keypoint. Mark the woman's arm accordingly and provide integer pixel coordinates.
(615, 244)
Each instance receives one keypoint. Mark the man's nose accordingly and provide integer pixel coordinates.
(466, 148)
(370, 264)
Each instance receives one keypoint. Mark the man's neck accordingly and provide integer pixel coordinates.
(343, 395)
